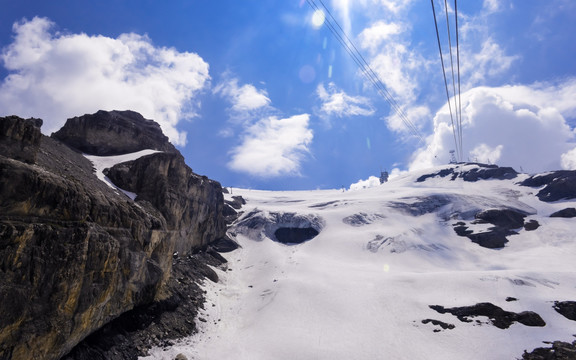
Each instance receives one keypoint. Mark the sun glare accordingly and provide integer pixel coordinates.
(318, 18)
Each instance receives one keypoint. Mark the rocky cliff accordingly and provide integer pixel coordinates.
(76, 253)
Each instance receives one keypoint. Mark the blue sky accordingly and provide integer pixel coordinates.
(257, 95)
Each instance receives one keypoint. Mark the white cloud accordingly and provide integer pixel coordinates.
(418, 115)
(372, 37)
(336, 102)
(492, 5)
(569, 160)
(518, 126)
(273, 147)
(55, 76)
(243, 98)
(372, 181)
(485, 154)
(487, 63)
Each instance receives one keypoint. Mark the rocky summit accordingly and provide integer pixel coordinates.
(76, 253)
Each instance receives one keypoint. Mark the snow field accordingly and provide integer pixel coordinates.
(335, 297)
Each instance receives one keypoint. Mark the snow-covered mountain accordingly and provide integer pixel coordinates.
(458, 262)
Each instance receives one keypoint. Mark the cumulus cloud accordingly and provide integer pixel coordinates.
(397, 66)
(273, 147)
(372, 181)
(243, 98)
(416, 114)
(519, 126)
(269, 146)
(486, 63)
(568, 160)
(492, 5)
(373, 36)
(55, 76)
(336, 102)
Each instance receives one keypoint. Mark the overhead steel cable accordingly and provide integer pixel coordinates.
(458, 131)
(444, 72)
(376, 80)
(458, 62)
(363, 65)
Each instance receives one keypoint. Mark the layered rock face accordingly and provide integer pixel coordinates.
(113, 133)
(75, 253)
(19, 139)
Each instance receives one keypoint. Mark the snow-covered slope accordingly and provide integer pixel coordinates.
(364, 286)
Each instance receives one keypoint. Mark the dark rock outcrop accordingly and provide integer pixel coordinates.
(498, 317)
(558, 185)
(19, 138)
(113, 133)
(236, 202)
(442, 324)
(559, 350)
(505, 218)
(75, 254)
(361, 219)
(565, 213)
(481, 172)
(531, 225)
(504, 221)
(566, 309)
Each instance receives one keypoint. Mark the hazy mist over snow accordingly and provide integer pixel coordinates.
(278, 103)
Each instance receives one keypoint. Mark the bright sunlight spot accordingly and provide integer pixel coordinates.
(318, 18)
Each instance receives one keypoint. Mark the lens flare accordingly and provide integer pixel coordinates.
(318, 18)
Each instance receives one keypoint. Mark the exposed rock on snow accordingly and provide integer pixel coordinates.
(531, 225)
(443, 325)
(498, 317)
(457, 206)
(506, 218)
(504, 221)
(417, 206)
(287, 228)
(559, 350)
(566, 308)
(565, 213)
(481, 172)
(362, 218)
(236, 202)
(223, 245)
(558, 185)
